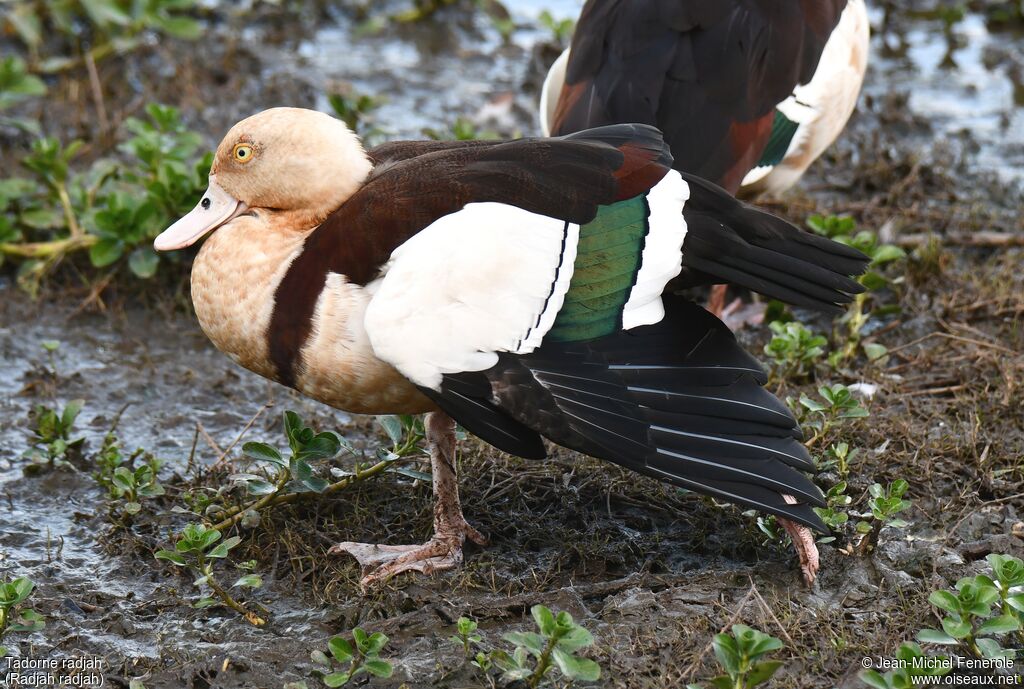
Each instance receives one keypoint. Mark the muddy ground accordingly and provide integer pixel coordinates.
(935, 150)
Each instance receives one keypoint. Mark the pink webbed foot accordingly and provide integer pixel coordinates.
(381, 562)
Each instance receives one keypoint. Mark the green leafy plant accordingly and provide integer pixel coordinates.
(426, 10)
(14, 617)
(979, 610)
(463, 129)
(37, 210)
(113, 210)
(197, 549)
(285, 477)
(50, 161)
(406, 433)
(110, 26)
(127, 484)
(295, 472)
(51, 434)
(794, 350)
(769, 526)
(16, 86)
(166, 164)
(356, 110)
(554, 645)
(833, 514)
(1009, 579)
(465, 635)
(358, 656)
(838, 456)
(834, 406)
(561, 29)
(917, 666)
(843, 229)
(884, 503)
(741, 654)
(292, 473)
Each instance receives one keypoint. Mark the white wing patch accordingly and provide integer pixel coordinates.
(489, 278)
(662, 258)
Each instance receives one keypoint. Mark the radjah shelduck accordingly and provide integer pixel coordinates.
(747, 92)
(519, 288)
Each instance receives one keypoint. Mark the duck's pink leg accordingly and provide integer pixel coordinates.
(444, 550)
(803, 541)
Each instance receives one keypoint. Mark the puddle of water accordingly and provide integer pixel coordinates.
(958, 91)
(165, 369)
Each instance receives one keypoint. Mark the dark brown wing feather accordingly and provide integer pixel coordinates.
(415, 183)
(565, 178)
(708, 73)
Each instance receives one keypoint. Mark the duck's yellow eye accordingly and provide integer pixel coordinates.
(242, 152)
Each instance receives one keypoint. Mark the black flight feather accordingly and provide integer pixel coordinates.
(678, 400)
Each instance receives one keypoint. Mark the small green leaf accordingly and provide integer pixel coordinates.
(260, 487)
(263, 453)
(887, 253)
(1000, 625)
(532, 642)
(873, 679)
(944, 600)
(575, 668)
(990, 648)
(575, 639)
(392, 425)
(106, 251)
(170, 556)
(252, 581)
(544, 619)
(762, 672)
(875, 351)
(934, 636)
(722, 682)
(221, 551)
(336, 679)
(956, 628)
(292, 424)
(104, 12)
(143, 262)
(378, 667)
(341, 649)
(374, 644)
(184, 28)
(1016, 602)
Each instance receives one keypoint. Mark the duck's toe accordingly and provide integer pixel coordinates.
(381, 562)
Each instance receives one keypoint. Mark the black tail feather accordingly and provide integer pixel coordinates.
(729, 241)
(678, 400)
